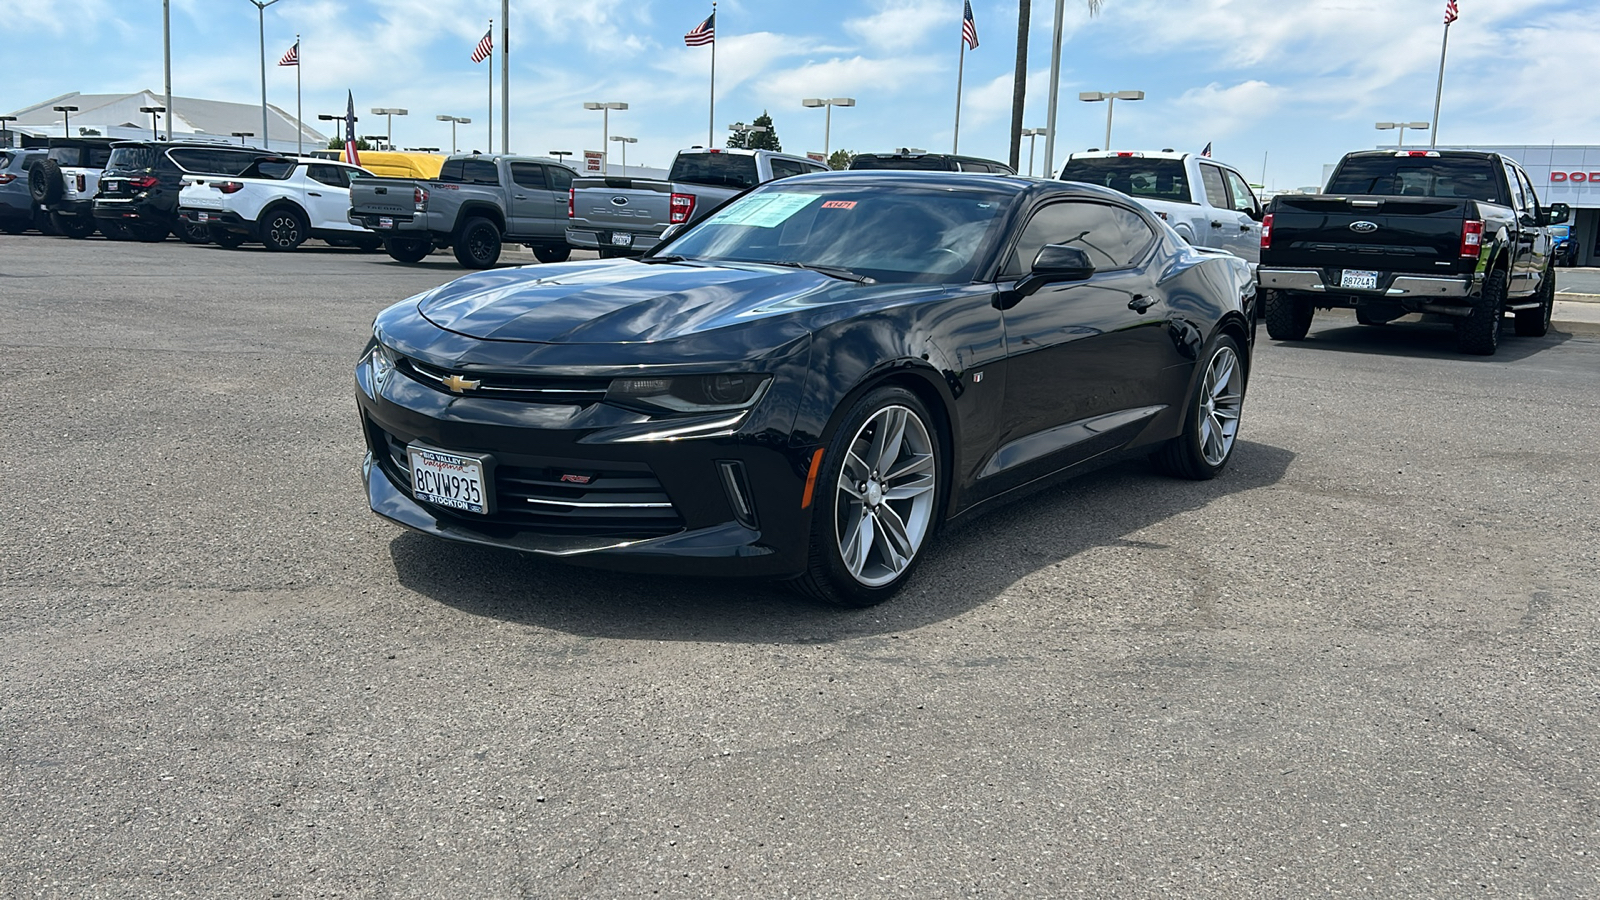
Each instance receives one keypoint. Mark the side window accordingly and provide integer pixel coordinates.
(479, 171)
(560, 178)
(817, 167)
(1244, 200)
(1216, 189)
(528, 175)
(1519, 199)
(1527, 189)
(786, 168)
(332, 176)
(1113, 237)
(451, 171)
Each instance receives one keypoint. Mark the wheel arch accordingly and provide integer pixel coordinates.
(273, 206)
(478, 209)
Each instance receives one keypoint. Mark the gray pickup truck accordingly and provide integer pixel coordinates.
(626, 216)
(476, 203)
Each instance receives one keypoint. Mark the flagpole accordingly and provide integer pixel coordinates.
(1438, 94)
(299, 111)
(711, 124)
(505, 76)
(961, 68)
(490, 147)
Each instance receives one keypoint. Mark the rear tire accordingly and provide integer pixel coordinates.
(192, 232)
(1211, 417)
(1288, 316)
(1536, 322)
(78, 227)
(283, 229)
(477, 244)
(1479, 333)
(552, 254)
(407, 250)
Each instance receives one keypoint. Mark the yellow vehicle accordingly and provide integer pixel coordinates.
(400, 164)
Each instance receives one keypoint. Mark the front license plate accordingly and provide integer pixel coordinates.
(449, 479)
(1356, 279)
(622, 239)
(385, 222)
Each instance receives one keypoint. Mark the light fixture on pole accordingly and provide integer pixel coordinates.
(390, 114)
(152, 110)
(66, 118)
(744, 131)
(377, 140)
(605, 127)
(1032, 134)
(5, 136)
(241, 135)
(454, 121)
(560, 155)
(827, 121)
(624, 141)
(1401, 126)
(261, 23)
(1111, 98)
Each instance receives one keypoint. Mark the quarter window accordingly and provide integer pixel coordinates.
(1114, 238)
(786, 168)
(479, 171)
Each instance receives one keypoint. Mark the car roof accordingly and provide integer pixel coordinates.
(1012, 184)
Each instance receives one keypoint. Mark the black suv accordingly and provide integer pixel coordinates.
(140, 187)
(929, 162)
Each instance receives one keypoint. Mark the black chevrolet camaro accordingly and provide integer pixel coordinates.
(808, 382)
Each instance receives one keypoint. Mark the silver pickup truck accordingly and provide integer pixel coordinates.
(626, 216)
(477, 202)
(1208, 203)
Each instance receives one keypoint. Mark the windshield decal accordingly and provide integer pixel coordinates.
(839, 204)
(764, 210)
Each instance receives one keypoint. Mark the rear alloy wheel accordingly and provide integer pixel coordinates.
(1479, 333)
(477, 244)
(1288, 316)
(877, 502)
(192, 232)
(284, 229)
(78, 227)
(552, 254)
(407, 250)
(1536, 322)
(1211, 425)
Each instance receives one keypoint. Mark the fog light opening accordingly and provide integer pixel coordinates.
(738, 490)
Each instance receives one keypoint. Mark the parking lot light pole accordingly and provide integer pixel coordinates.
(241, 135)
(378, 141)
(389, 114)
(1401, 127)
(1111, 98)
(827, 121)
(66, 118)
(454, 121)
(560, 155)
(744, 131)
(605, 127)
(152, 110)
(624, 141)
(1032, 134)
(261, 23)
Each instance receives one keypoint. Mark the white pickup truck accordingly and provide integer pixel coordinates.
(278, 201)
(1207, 202)
(626, 216)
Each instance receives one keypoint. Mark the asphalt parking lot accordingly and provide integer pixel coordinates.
(1362, 663)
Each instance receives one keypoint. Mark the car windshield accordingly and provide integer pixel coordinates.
(1155, 179)
(891, 234)
(721, 169)
(1418, 176)
(130, 159)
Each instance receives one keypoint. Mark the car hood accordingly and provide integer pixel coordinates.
(621, 301)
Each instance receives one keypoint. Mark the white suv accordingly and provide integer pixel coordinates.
(278, 201)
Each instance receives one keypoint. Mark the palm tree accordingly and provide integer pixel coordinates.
(1019, 86)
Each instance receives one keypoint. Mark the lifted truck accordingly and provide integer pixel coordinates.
(477, 202)
(1458, 233)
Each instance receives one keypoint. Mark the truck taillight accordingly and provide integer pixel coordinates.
(1471, 238)
(7, 178)
(1266, 231)
(682, 209)
(571, 203)
(419, 199)
(229, 187)
(143, 182)
(82, 184)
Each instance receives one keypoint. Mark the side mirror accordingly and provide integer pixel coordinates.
(1055, 263)
(1557, 214)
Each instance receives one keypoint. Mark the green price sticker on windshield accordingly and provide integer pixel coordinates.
(764, 210)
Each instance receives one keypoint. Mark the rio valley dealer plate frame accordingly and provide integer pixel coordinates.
(463, 482)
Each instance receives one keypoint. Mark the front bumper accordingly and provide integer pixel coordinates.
(1392, 286)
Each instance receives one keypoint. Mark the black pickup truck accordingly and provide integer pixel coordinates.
(1458, 233)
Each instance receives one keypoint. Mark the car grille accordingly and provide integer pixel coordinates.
(620, 500)
(527, 388)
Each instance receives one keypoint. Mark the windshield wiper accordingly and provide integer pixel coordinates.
(660, 259)
(839, 272)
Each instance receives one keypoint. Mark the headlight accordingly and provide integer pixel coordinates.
(383, 359)
(688, 393)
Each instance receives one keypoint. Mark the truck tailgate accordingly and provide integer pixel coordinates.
(622, 204)
(384, 196)
(1392, 234)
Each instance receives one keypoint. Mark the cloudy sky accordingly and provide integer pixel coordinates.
(1294, 83)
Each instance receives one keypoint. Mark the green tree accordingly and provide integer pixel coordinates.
(338, 144)
(840, 159)
(757, 140)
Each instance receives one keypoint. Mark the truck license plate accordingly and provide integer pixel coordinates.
(385, 222)
(1358, 280)
(622, 239)
(203, 218)
(448, 479)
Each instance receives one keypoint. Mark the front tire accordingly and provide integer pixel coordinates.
(1211, 420)
(1536, 322)
(1479, 333)
(77, 227)
(1288, 316)
(407, 250)
(284, 229)
(477, 244)
(877, 500)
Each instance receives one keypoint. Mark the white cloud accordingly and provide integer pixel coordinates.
(899, 25)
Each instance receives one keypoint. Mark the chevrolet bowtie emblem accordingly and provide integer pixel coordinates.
(458, 384)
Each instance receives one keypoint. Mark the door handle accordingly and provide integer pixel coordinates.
(1244, 228)
(1140, 303)
(519, 196)
(312, 194)
(1215, 224)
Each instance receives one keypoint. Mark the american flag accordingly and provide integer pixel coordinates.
(1450, 11)
(702, 34)
(969, 28)
(292, 58)
(485, 46)
(352, 155)
(1207, 151)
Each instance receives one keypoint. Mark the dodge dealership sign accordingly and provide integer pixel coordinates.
(1575, 177)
